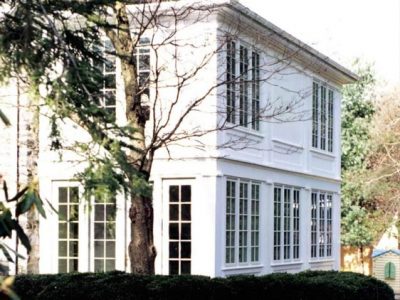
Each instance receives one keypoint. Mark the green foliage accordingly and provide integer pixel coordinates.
(357, 112)
(117, 285)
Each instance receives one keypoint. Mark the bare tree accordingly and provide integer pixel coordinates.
(60, 47)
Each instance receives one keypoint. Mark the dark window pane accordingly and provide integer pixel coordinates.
(62, 195)
(73, 249)
(74, 194)
(110, 212)
(62, 248)
(173, 193)
(185, 234)
(62, 212)
(110, 265)
(174, 212)
(98, 249)
(109, 81)
(73, 265)
(173, 231)
(185, 267)
(73, 230)
(98, 212)
(109, 98)
(185, 211)
(62, 266)
(110, 249)
(73, 212)
(174, 249)
(173, 267)
(186, 193)
(99, 265)
(110, 231)
(99, 231)
(62, 230)
(186, 250)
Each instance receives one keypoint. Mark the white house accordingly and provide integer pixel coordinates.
(260, 197)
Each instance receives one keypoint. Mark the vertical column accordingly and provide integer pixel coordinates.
(305, 217)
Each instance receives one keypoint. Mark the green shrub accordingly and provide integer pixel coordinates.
(315, 285)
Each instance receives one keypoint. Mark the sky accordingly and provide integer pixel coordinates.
(342, 29)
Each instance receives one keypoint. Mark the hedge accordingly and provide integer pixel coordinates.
(310, 285)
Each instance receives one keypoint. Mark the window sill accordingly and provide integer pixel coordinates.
(285, 264)
(323, 153)
(248, 131)
(288, 144)
(242, 269)
(321, 260)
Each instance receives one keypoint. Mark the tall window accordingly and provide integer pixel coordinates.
(242, 67)
(104, 234)
(106, 98)
(142, 63)
(98, 245)
(68, 229)
(230, 82)
(286, 223)
(321, 224)
(242, 222)
(322, 117)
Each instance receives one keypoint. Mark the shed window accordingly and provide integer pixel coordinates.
(390, 271)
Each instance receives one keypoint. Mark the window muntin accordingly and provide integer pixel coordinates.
(230, 82)
(286, 244)
(76, 230)
(321, 224)
(255, 91)
(68, 229)
(242, 228)
(180, 222)
(107, 93)
(104, 234)
(243, 68)
(322, 117)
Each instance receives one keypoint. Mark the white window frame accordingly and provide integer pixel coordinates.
(321, 225)
(322, 133)
(245, 112)
(249, 253)
(286, 240)
(86, 230)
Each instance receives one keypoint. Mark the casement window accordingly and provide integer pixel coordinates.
(242, 231)
(107, 93)
(242, 85)
(286, 245)
(142, 64)
(85, 235)
(322, 117)
(321, 224)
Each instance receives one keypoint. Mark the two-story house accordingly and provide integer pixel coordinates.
(260, 195)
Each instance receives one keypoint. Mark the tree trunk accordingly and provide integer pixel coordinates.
(142, 252)
(32, 226)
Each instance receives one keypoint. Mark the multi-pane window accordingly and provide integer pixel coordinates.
(68, 229)
(286, 223)
(322, 117)
(180, 220)
(98, 243)
(242, 86)
(242, 222)
(142, 64)
(106, 97)
(104, 234)
(255, 91)
(230, 82)
(321, 224)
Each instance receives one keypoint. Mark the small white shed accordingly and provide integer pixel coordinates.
(386, 267)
